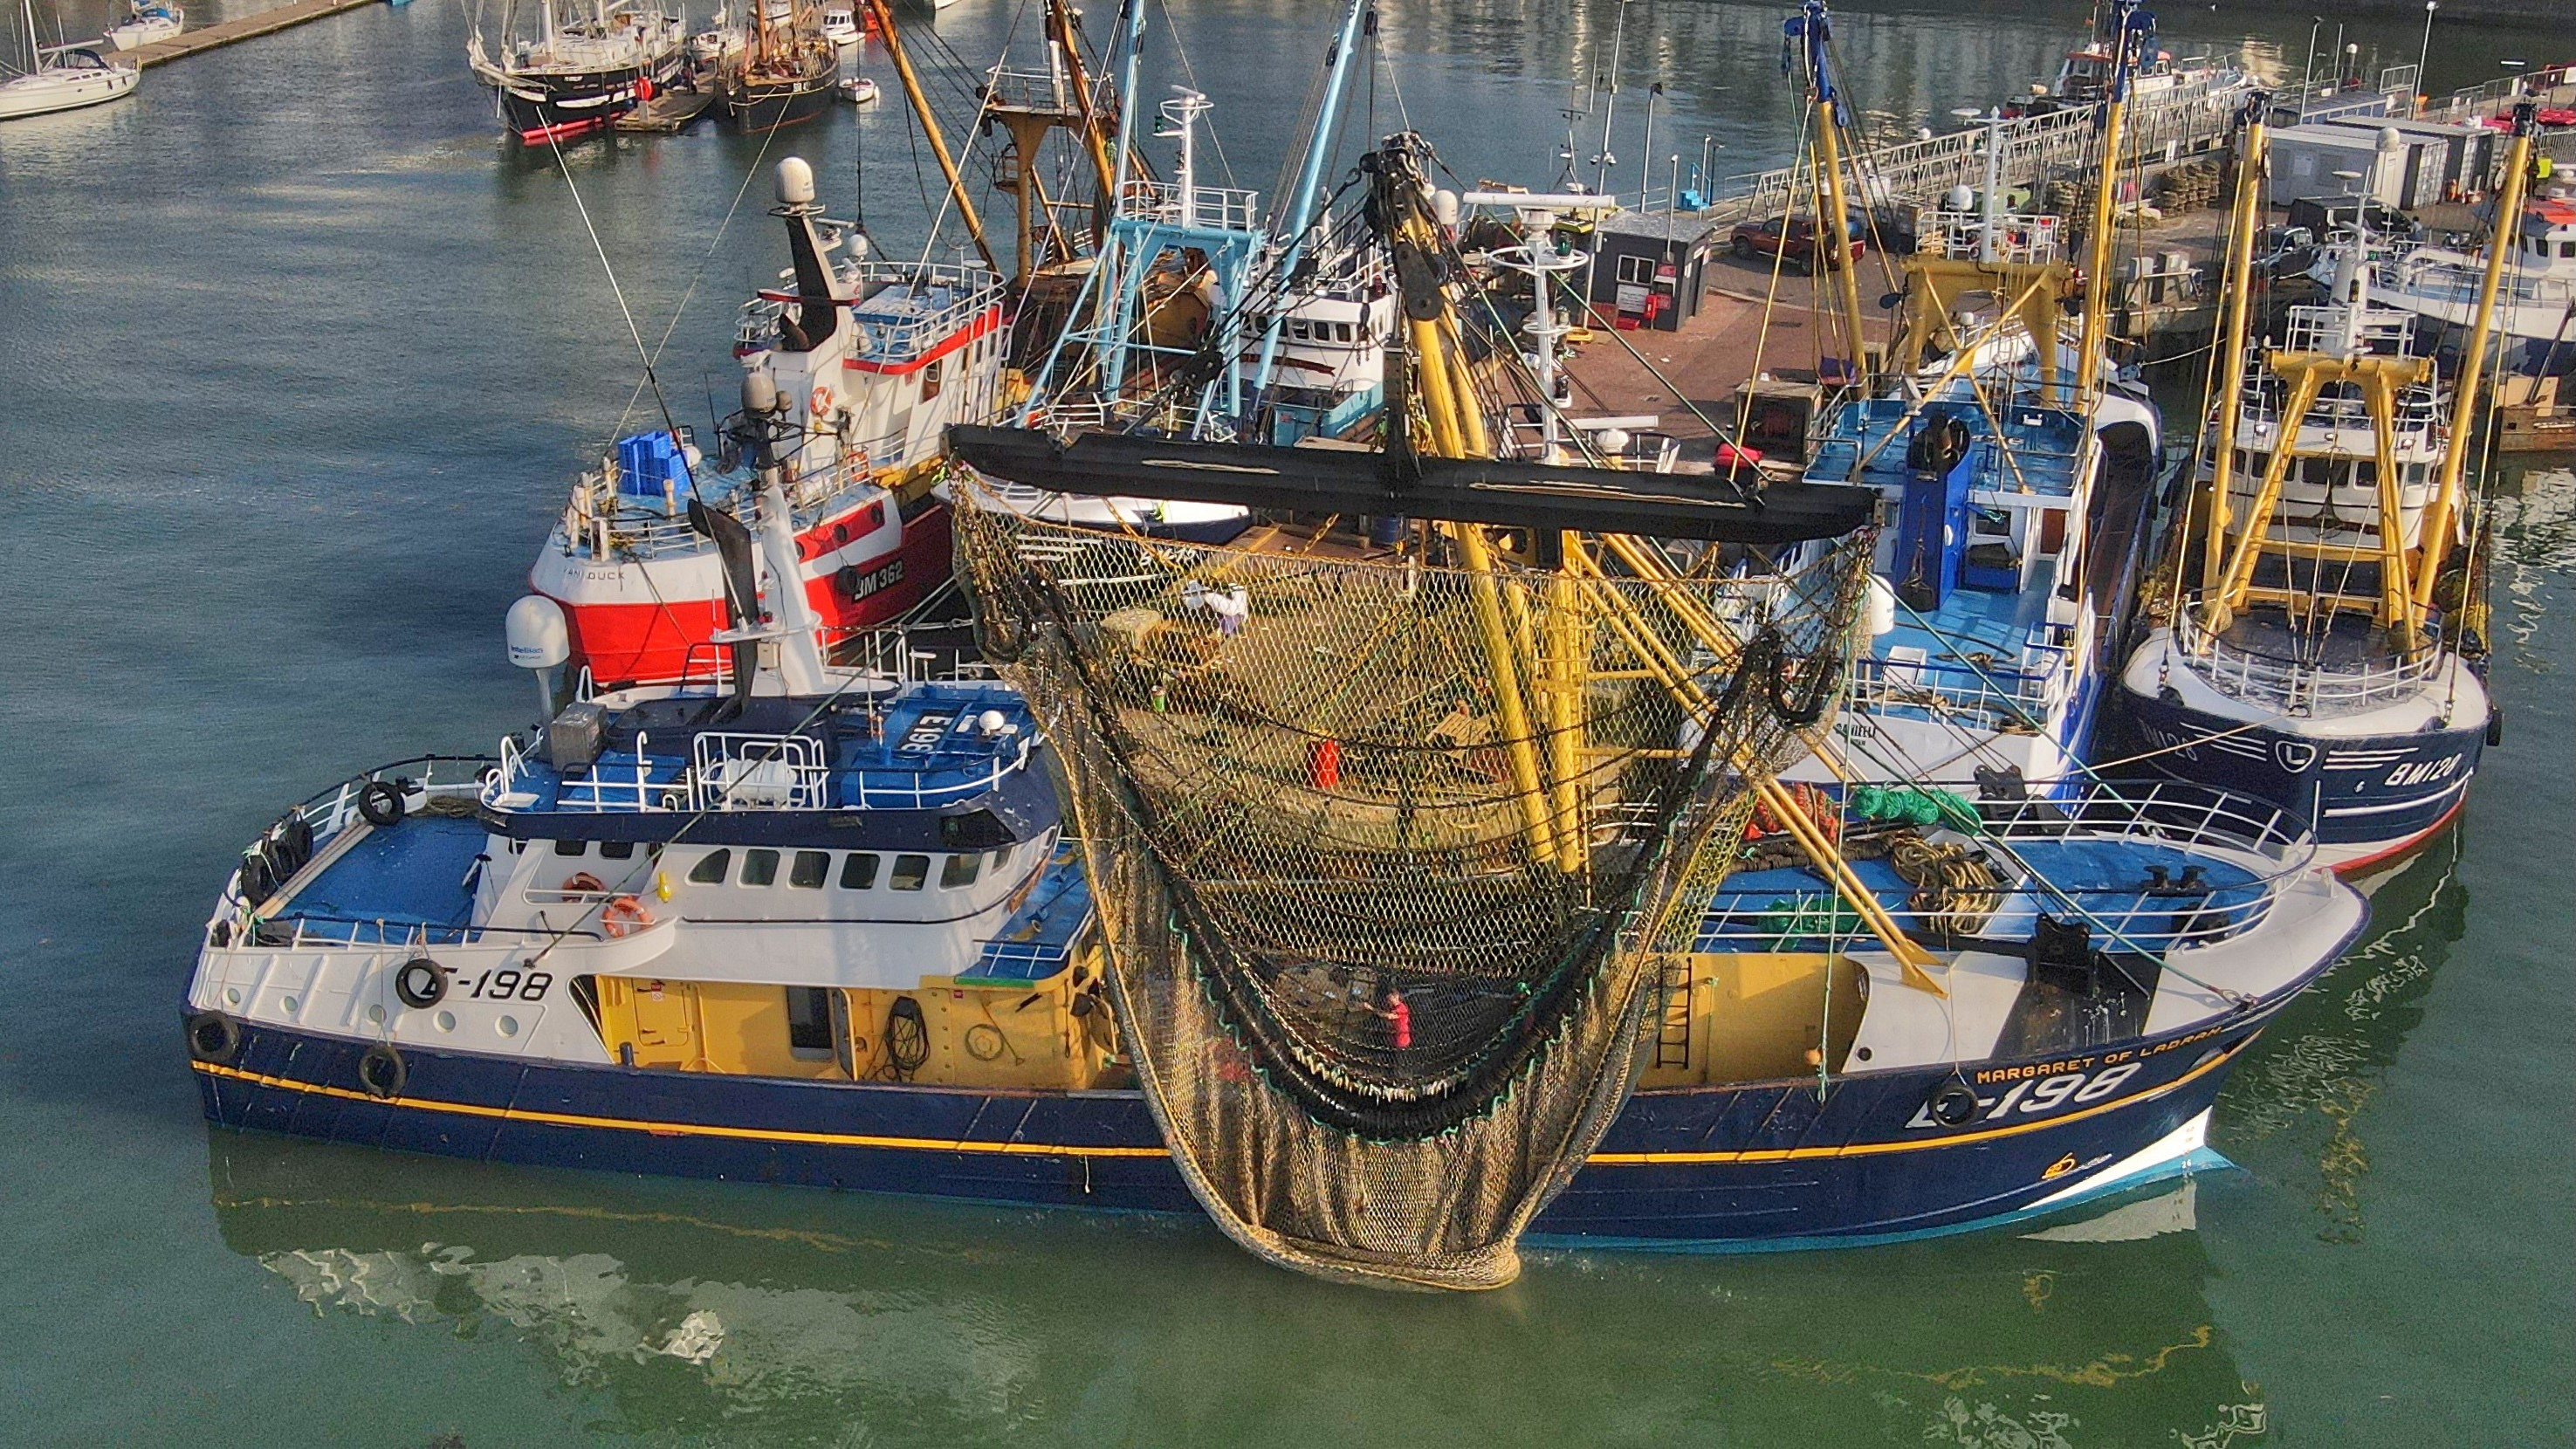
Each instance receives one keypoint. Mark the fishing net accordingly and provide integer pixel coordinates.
(1385, 852)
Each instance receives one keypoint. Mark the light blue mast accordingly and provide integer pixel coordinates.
(1179, 227)
(1298, 221)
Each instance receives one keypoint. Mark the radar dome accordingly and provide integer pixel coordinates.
(537, 634)
(795, 182)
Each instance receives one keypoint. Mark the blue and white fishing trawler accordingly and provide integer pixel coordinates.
(2315, 656)
(2017, 468)
(810, 926)
(2321, 622)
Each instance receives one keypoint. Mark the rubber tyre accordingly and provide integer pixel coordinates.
(419, 983)
(381, 804)
(382, 1073)
(1744, 248)
(214, 1037)
(1953, 1104)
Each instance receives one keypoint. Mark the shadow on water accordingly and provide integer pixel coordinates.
(759, 1316)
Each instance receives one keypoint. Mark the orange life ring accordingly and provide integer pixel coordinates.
(623, 915)
(820, 403)
(583, 883)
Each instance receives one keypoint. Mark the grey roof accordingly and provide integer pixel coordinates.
(1685, 227)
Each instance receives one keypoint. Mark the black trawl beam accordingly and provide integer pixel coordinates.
(1459, 490)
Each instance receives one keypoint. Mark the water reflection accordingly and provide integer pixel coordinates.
(762, 1316)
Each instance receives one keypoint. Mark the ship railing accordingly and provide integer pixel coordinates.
(744, 771)
(2418, 406)
(616, 781)
(1228, 208)
(1991, 697)
(321, 932)
(904, 790)
(421, 779)
(2299, 687)
(1072, 413)
(1024, 960)
(2019, 236)
(1028, 90)
(880, 337)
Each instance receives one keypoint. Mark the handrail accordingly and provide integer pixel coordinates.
(2297, 687)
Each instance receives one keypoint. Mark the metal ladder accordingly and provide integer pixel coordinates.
(1673, 1026)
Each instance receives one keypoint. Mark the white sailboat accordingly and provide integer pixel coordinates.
(66, 77)
(146, 21)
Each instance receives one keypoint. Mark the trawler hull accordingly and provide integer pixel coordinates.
(651, 620)
(538, 110)
(2372, 798)
(1741, 1167)
(773, 105)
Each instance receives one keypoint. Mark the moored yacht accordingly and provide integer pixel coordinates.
(145, 22)
(578, 74)
(786, 70)
(66, 77)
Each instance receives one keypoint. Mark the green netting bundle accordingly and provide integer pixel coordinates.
(1915, 805)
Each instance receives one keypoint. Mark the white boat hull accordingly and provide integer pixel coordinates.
(48, 91)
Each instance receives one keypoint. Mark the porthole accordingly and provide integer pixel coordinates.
(232, 996)
(509, 1025)
(375, 1016)
(289, 1004)
(444, 1021)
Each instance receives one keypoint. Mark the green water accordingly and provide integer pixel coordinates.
(293, 368)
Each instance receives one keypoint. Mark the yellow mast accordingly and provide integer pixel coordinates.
(2097, 268)
(2433, 541)
(1838, 238)
(1812, 33)
(884, 14)
(2239, 302)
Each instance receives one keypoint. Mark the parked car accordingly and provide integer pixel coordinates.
(1795, 240)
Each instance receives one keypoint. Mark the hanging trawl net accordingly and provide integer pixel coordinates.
(1384, 851)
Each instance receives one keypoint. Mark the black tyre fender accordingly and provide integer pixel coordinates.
(258, 878)
(420, 983)
(381, 803)
(213, 1037)
(1953, 1103)
(2495, 726)
(381, 1071)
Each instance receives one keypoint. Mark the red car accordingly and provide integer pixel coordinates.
(1795, 240)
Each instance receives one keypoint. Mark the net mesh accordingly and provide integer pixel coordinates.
(1385, 852)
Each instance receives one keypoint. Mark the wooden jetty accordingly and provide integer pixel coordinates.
(214, 37)
(669, 113)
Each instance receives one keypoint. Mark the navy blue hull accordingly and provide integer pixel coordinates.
(2366, 795)
(1752, 1166)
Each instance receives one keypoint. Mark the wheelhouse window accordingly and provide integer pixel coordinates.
(858, 870)
(810, 869)
(617, 850)
(759, 867)
(930, 379)
(911, 872)
(712, 867)
(959, 871)
(809, 1022)
(571, 847)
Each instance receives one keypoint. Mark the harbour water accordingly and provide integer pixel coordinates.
(294, 364)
